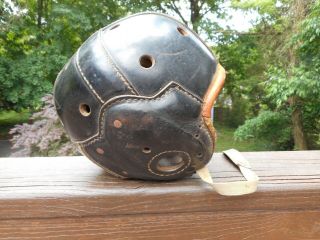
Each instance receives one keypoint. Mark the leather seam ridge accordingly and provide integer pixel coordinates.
(116, 68)
(171, 87)
(83, 151)
(85, 79)
(211, 135)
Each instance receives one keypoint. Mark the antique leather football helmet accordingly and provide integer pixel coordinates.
(137, 96)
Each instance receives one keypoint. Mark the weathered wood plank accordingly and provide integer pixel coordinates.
(275, 225)
(70, 196)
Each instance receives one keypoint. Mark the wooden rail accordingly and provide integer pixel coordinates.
(71, 198)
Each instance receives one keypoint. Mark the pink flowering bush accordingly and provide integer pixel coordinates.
(45, 136)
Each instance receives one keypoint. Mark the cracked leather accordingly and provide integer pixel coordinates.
(161, 135)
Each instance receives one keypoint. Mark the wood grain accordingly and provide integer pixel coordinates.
(70, 197)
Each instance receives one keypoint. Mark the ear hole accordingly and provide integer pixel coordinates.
(146, 61)
(114, 27)
(199, 154)
(84, 109)
(146, 150)
(182, 31)
(170, 164)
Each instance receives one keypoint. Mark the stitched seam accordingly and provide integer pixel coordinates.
(85, 79)
(208, 133)
(115, 67)
(85, 144)
(104, 167)
(102, 116)
(171, 174)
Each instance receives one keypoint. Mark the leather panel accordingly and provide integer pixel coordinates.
(70, 91)
(183, 59)
(168, 123)
(98, 68)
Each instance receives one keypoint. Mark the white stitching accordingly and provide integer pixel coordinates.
(207, 131)
(163, 90)
(115, 67)
(101, 126)
(85, 79)
(84, 152)
(171, 174)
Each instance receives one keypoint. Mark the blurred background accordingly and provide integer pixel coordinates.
(270, 49)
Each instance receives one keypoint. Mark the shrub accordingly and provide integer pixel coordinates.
(45, 136)
(272, 127)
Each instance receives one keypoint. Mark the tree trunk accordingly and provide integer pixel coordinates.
(195, 14)
(40, 12)
(300, 141)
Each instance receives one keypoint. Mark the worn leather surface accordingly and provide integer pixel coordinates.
(159, 107)
(179, 58)
(168, 123)
(70, 91)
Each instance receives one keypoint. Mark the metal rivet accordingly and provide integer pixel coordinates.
(117, 124)
(100, 151)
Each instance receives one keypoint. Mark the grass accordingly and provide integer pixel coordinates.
(226, 141)
(9, 118)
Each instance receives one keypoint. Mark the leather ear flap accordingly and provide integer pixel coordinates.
(159, 138)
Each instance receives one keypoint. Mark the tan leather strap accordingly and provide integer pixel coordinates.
(235, 188)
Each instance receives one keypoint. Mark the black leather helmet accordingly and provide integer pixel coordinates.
(136, 98)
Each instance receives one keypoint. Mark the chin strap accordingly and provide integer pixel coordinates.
(233, 188)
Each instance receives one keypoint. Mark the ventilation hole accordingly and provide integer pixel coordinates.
(196, 135)
(114, 27)
(199, 155)
(84, 109)
(100, 151)
(117, 124)
(182, 31)
(146, 150)
(146, 61)
(170, 164)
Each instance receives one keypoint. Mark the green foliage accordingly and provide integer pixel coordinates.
(225, 140)
(272, 127)
(24, 81)
(237, 114)
(290, 47)
(194, 13)
(243, 59)
(36, 42)
(301, 80)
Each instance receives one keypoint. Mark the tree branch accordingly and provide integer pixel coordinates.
(174, 7)
(202, 3)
